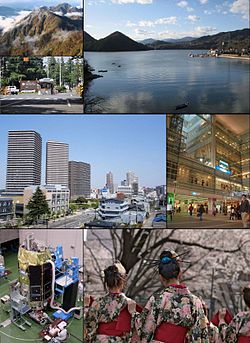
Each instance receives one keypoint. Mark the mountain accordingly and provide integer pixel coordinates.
(7, 11)
(168, 40)
(117, 41)
(179, 40)
(64, 9)
(88, 41)
(233, 39)
(147, 41)
(43, 32)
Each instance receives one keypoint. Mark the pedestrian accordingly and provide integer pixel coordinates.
(238, 330)
(108, 319)
(190, 210)
(245, 211)
(200, 211)
(173, 312)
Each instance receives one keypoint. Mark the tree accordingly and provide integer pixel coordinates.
(15, 68)
(81, 200)
(38, 205)
(224, 253)
(72, 207)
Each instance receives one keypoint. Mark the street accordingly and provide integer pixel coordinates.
(75, 221)
(44, 104)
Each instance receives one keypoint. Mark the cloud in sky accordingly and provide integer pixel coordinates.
(241, 7)
(198, 31)
(141, 2)
(193, 18)
(182, 4)
(203, 1)
(152, 23)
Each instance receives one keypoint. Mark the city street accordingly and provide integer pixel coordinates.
(184, 221)
(44, 104)
(75, 221)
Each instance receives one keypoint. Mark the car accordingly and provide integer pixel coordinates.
(12, 90)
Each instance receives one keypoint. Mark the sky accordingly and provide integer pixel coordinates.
(30, 4)
(117, 143)
(160, 19)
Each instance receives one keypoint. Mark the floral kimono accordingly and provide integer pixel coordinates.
(172, 315)
(237, 330)
(213, 334)
(108, 320)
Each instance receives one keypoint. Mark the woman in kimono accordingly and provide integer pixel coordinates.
(107, 319)
(238, 331)
(173, 315)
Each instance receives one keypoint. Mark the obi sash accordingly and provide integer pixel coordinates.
(243, 339)
(171, 333)
(120, 326)
(228, 318)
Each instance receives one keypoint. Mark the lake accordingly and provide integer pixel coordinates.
(159, 80)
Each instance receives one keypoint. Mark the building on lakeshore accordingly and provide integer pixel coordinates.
(110, 182)
(57, 163)
(57, 197)
(79, 179)
(23, 161)
(207, 160)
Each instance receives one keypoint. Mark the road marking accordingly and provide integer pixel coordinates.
(37, 98)
(69, 104)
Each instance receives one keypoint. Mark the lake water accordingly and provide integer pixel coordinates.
(157, 81)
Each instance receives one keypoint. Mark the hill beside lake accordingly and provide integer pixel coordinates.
(117, 41)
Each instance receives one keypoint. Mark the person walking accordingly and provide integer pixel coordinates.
(190, 209)
(173, 312)
(108, 319)
(201, 211)
(245, 211)
(238, 330)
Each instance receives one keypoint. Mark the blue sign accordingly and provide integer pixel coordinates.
(223, 167)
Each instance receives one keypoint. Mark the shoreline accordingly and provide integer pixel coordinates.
(243, 58)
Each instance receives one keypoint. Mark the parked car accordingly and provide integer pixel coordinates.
(12, 90)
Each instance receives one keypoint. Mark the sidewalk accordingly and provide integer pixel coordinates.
(183, 220)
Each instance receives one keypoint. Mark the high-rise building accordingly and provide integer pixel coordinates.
(23, 160)
(131, 178)
(57, 163)
(110, 182)
(79, 179)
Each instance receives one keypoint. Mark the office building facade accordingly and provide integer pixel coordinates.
(79, 179)
(57, 197)
(57, 163)
(110, 182)
(23, 160)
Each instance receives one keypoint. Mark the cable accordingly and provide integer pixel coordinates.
(22, 339)
(53, 292)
